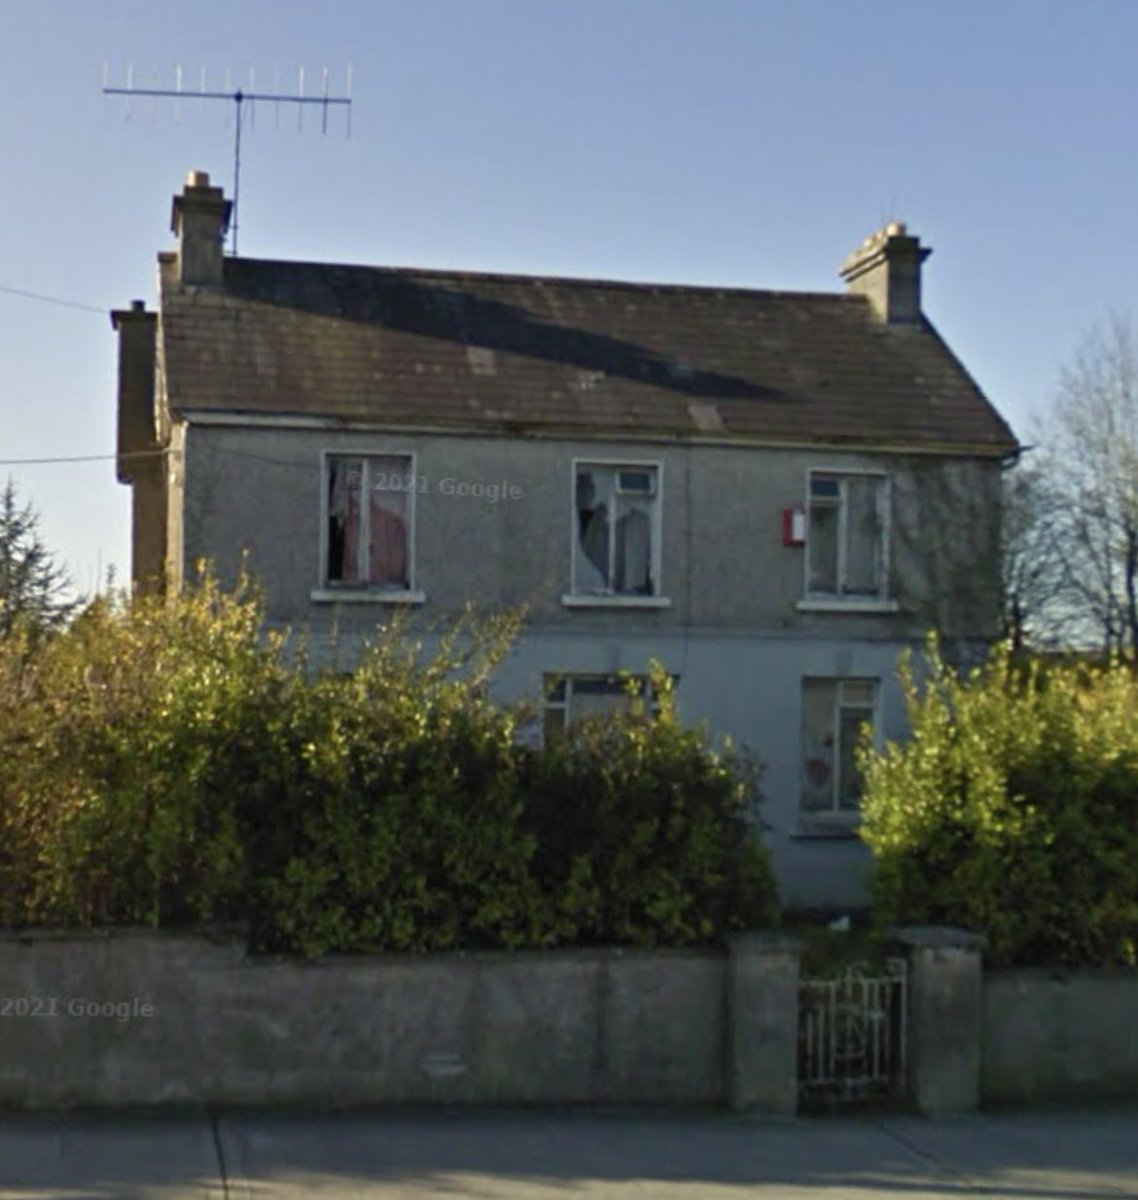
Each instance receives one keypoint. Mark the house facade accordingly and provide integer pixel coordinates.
(771, 493)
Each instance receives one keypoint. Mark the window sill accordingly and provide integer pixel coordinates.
(843, 604)
(571, 600)
(835, 827)
(363, 596)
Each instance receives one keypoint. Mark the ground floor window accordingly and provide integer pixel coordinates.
(569, 699)
(834, 712)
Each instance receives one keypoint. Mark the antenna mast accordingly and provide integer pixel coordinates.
(238, 98)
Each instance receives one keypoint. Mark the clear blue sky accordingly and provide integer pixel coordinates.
(741, 142)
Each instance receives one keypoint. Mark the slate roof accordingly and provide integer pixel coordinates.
(518, 354)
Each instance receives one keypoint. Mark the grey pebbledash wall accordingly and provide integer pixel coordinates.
(117, 1018)
(732, 630)
(1060, 1036)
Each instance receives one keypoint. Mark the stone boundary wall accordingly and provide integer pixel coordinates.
(1051, 1036)
(1020, 1036)
(144, 1018)
(129, 1017)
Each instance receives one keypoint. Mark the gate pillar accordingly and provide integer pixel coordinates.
(944, 1017)
(762, 1023)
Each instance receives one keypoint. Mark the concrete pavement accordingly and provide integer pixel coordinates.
(539, 1155)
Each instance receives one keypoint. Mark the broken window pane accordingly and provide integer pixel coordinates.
(616, 515)
(368, 541)
(388, 521)
(594, 510)
(344, 482)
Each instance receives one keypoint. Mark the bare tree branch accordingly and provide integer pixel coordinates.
(1090, 468)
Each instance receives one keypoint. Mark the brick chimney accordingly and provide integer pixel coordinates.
(136, 328)
(200, 220)
(140, 442)
(886, 269)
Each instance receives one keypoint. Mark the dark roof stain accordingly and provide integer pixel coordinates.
(508, 353)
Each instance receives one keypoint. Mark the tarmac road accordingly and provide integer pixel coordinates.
(543, 1155)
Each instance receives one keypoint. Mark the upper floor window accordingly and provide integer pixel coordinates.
(847, 535)
(616, 529)
(369, 510)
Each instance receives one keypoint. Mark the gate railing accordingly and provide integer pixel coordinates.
(851, 1034)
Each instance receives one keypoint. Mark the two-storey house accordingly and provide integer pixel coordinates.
(773, 493)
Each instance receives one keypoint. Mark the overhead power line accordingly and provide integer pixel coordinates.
(79, 458)
(26, 295)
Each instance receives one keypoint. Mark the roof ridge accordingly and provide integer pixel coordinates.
(559, 280)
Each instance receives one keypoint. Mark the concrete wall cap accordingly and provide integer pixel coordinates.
(226, 932)
(764, 942)
(938, 937)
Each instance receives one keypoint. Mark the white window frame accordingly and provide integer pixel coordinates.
(609, 599)
(841, 601)
(621, 678)
(835, 814)
(328, 591)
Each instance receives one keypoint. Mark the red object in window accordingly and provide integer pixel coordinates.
(793, 527)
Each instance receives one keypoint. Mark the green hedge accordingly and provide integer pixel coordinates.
(644, 834)
(167, 763)
(1012, 809)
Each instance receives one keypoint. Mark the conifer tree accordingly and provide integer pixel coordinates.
(34, 588)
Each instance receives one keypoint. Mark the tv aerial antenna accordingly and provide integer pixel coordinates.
(245, 101)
